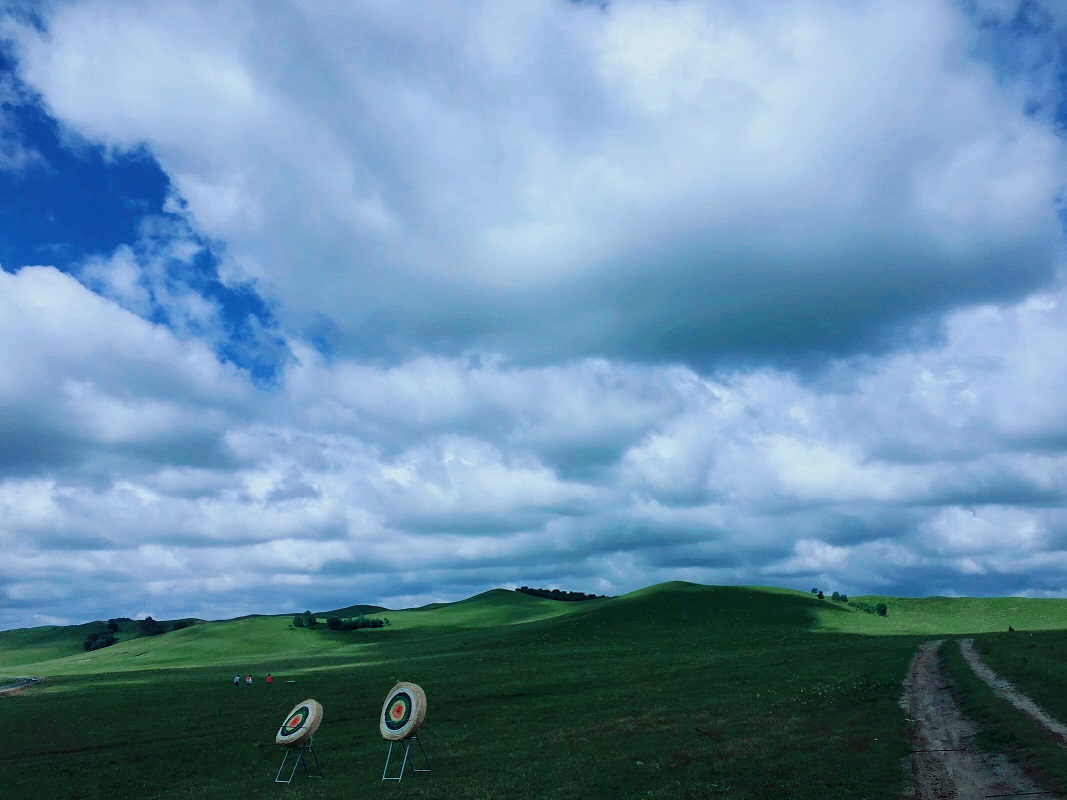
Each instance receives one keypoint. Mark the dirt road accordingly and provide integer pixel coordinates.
(1005, 689)
(944, 764)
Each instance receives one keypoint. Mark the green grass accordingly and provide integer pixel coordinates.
(1003, 729)
(942, 616)
(677, 691)
(1035, 661)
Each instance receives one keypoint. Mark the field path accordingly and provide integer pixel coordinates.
(1003, 688)
(17, 685)
(944, 765)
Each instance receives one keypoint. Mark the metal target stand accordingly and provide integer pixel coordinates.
(404, 763)
(301, 758)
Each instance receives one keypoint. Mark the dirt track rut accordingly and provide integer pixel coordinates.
(1005, 689)
(944, 763)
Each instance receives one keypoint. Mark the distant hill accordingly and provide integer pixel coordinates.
(268, 642)
(350, 611)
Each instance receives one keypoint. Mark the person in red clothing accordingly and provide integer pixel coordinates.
(269, 679)
(248, 681)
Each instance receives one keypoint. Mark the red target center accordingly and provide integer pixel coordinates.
(397, 711)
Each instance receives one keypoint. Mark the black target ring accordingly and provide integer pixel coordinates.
(403, 712)
(300, 724)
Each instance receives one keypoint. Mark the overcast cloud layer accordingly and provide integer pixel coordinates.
(550, 293)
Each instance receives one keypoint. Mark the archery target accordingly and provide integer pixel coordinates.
(300, 724)
(403, 712)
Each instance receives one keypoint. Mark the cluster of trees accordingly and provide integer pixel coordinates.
(149, 627)
(837, 597)
(94, 641)
(305, 620)
(556, 594)
(881, 609)
(354, 623)
(309, 620)
(106, 637)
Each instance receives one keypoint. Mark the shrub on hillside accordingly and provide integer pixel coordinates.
(310, 620)
(150, 627)
(334, 623)
(113, 625)
(867, 608)
(298, 621)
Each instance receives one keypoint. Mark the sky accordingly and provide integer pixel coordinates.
(393, 302)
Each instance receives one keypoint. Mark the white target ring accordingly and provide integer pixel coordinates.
(300, 724)
(403, 712)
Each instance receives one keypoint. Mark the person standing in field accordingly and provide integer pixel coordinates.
(248, 681)
(269, 679)
(236, 680)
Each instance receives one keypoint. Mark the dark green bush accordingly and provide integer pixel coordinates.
(94, 641)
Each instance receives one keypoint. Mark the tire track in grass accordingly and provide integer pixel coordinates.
(944, 765)
(1005, 690)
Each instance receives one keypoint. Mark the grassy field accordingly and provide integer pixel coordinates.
(677, 691)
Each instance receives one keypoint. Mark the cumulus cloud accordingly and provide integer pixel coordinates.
(647, 180)
(535, 282)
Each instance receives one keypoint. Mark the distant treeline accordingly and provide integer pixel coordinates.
(309, 620)
(557, 594)
(881, 609)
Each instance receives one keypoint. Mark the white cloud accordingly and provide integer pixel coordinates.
(557, 179)
(562, 218)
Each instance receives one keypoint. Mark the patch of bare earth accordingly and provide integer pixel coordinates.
(1005, 689)
(17, 687)
(944, 763)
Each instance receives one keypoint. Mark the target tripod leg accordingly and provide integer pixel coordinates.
(425, 757)
(311, 749)
(278, 777)
(385, 771)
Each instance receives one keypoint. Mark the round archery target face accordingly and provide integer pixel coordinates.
(403, 712)
(300, 724)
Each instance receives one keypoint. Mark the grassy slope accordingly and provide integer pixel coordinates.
(23, 648)
(1036, 662)
(677, 691)
(940, 616)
